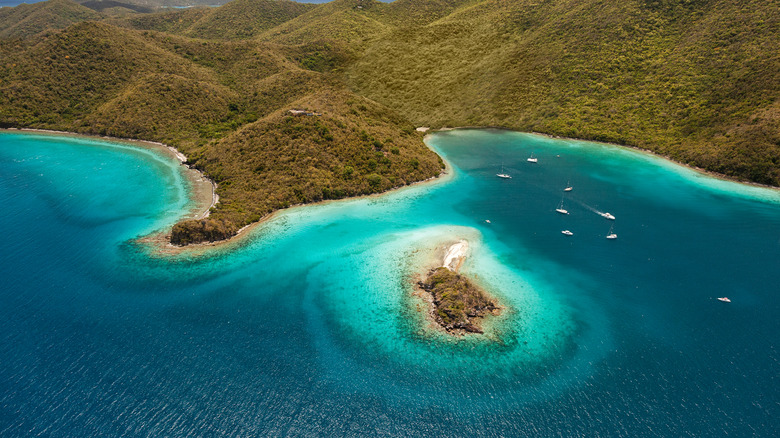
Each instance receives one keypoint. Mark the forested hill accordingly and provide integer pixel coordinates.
(29, 20)
(697, 80)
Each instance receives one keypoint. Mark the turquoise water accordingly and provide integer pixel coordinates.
(310, 327)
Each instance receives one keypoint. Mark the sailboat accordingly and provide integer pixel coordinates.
(532, 159)
(560, 208)
(611, 234)
(502, 174)
(568, 187)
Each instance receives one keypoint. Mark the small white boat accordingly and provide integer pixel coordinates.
(608, 216)
(611, 235)
(567, 232)
(724, 299)
(560, 208)
(502, 174)
(487, 220)
(532, 159)
(568, 189)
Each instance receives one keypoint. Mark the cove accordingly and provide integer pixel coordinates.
(307, 328)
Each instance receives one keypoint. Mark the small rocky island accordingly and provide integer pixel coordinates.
(458, 305)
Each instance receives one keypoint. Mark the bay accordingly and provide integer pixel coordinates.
(308, 326)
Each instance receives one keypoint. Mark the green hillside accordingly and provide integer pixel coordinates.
(177, 21)
(27, 20)
(352, 23)
(696, 80)
(239, 19)
(246, 18)
(224, 104)
(354, 147)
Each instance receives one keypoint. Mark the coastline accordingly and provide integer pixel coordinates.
(246, 231)
(203, 195)
(201, 190)
(164, 247)
(696, 169)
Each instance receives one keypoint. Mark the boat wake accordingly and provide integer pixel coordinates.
(593, 209)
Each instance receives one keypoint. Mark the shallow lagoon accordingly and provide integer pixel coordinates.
(307, 328)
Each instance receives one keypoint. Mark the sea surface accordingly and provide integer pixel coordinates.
(310, 326)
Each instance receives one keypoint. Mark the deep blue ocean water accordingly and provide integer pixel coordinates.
(309, 328)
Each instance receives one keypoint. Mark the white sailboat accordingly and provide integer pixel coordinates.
(568, 187)
(532, 159)
(611, 234)
(502, 174)
(560, 208)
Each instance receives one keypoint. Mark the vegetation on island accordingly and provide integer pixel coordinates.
(459, 305)
(695, 80)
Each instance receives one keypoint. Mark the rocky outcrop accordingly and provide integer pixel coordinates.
(202, 230)
(459, 305)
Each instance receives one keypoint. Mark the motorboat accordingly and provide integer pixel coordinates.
(724, 299)
(569, 233)
(608, 216)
